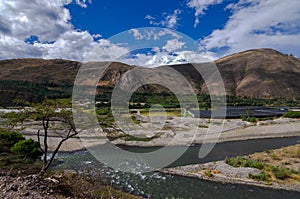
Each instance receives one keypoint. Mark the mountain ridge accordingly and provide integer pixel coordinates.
(257, 73)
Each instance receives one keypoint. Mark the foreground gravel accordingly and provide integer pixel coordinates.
(28, 187)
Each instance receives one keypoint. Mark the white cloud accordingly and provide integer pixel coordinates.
(57, 38)
(152, 34)
(104, 50)
(173, 52)
(136, 34)
(149, 17)
(169, 21)
(14, 48)
(166, 58)
(83, 3)
(70, 45)
(54, 37)
(200, 6)
(256, 24)
(173, 45)
(22, 19)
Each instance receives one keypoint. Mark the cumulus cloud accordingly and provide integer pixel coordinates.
(173, 51)
(136, 34)
(165, 58)
(256, 24)
(152, 34)
(200, 6)
(49, 23)
(169, 20)
(173, 45)
(37, 18)
(105, 50)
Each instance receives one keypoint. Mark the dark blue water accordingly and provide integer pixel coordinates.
(158, 185)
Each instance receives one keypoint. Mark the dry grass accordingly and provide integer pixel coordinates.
(287, 157)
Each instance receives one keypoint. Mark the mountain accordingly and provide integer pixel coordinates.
(263, 73)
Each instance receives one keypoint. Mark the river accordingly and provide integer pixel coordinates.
(158, 185)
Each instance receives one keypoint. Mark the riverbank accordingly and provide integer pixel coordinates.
(285, 160)
(184, 130)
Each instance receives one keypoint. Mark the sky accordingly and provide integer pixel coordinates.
(144, 32)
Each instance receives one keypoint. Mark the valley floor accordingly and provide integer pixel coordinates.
(184, 131)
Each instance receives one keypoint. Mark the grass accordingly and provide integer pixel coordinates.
(280, 165)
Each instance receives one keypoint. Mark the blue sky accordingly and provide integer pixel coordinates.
(133, 16)
(85, 30)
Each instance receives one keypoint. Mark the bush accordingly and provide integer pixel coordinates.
(292, 114)
(244, 162)
(29, 148)
(280, 173)
(261, 176)
(9, 138)
(252, 119)
(249, 119)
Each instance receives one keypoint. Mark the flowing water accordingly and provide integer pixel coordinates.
(158, 185)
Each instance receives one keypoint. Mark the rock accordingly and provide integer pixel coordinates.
(26, 194)
(13, 187)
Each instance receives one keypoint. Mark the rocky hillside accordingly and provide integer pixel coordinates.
(262, 73)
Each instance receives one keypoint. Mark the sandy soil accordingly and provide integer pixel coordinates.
(178, 131)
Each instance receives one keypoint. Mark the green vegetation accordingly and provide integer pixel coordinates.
(262, 176)
(280, 173)
(249, 119)
(244, 162)
(169, 100)
(9, 138)
(16, 143)
(18, 154)
(268, 172)
(48, 112)
(33, 92)
(292, 114)
(29, 148)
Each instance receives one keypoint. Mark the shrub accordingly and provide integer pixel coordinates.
(249, 119)
(252, 119)
(9, 138)
(280, 173)
(29, 148)
(261, 176)
(244, 162)
(292, 114)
